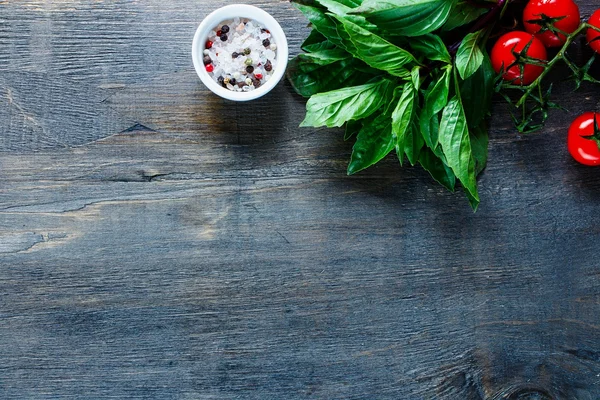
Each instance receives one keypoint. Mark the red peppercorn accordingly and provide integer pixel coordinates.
(219, 33)
(258, 76)
(210, 68)
(208, 44)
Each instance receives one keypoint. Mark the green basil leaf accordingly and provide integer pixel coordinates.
(438, 169)
(473, 201)
(402, 118)
(373, 143)
(376, 51)
(308, 78)
(406, 17)
(431, 47)
(352, 129)
(435, 99)
(397, 93)
(336, 107)
(302, 65)
(310, 3)
(463, 13)
(345, 40)
(469, 56)
(476, 92)
(414, 139)
(322, 22)
(439, 93)
(313, 48)
(347, 3)
(335, 7)
(316, 41)
(429, 123)
(415, 75)
(341, 10)
(329, 26)
(325, 57)
(350, 3)
(400, 153)
(479, 145)
(413, 142)
(456, 144)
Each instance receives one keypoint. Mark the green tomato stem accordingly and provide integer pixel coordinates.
(559, 56)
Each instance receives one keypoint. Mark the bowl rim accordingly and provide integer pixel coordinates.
(242, 11)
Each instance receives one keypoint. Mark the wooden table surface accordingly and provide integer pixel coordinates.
(157, 242)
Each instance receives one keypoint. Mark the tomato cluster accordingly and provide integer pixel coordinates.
(520, 57)
(546, 22)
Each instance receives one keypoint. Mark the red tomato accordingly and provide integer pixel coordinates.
(592, 33)
(553, 9)
(584, 151)
(503, 57)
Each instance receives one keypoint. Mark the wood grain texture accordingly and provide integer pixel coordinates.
(157, 242)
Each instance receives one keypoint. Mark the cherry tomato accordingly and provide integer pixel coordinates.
(567, 9)
(503, 57)
(584, 151)
(592, 33)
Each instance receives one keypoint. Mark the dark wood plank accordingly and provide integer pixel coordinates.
(158, 242)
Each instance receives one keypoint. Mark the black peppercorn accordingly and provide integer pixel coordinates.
(225, 29)
(256, 82)
(223, 37)
(249, 69)
(232, 81)
(221, 81)
(235, 55)
(268, 66)
(266, 42)
(206, 60)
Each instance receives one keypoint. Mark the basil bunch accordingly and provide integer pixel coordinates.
(385, 70)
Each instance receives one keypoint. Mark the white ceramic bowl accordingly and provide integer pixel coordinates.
(242, 11)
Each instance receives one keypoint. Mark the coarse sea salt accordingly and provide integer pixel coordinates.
(240, 55)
